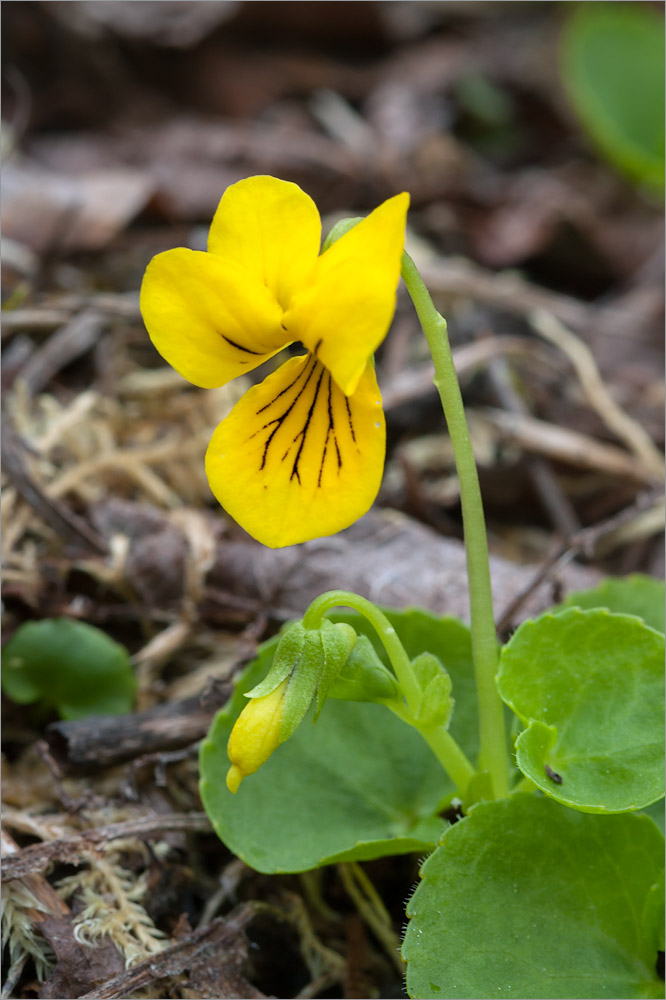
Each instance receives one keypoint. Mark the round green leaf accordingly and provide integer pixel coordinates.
(359, 784)
(524, 898)
(72, 666)
(590, 687)
(613, 71)
(637, 594)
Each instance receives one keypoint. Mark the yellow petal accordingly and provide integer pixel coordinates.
(255, 735)
(297, 459)
(346, 311)
(272, 229)
(208, 318)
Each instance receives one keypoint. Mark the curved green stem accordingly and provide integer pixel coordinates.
(395, 649)
(493, 755)
(440, 741)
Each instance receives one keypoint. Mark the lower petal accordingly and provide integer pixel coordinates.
(297, 459)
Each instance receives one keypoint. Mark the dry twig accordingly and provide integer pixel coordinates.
(37, 857)
(57, 515)
(220, 946)
(568, 446)
(586, 541)
(553, 499)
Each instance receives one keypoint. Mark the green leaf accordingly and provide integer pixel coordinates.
(360, 784)
(590, 687)
(612, 58)
(526, 899)
(71, 666)
(638, 595)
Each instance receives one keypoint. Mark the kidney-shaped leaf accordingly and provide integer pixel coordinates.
(525, 898)
(589, 685)
(71, 666)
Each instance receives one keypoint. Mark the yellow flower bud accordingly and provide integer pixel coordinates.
(256, 734)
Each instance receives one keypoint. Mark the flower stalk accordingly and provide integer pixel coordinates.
(493, 755)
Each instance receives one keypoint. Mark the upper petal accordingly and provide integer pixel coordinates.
(207, 317)
(296, 459)
(270, 227)
(345, 312)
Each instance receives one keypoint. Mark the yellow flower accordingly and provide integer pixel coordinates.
(301, 455)
(256, 734)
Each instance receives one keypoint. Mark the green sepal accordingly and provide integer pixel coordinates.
(436, 701)
(312, 659)
(364, 677)
(302, 684)
(285, 659)
(339, 229)
(337, 642)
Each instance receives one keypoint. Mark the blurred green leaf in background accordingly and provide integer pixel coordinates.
(612, 62)
(73, 667)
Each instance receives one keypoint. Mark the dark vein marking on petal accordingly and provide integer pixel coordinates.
(317, 346)
(304, 433)
(330, 431)
(278, 421)
(239, 347)
(290, 386)
(349, 417)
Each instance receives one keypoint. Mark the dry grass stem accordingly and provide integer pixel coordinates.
(620, 423)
